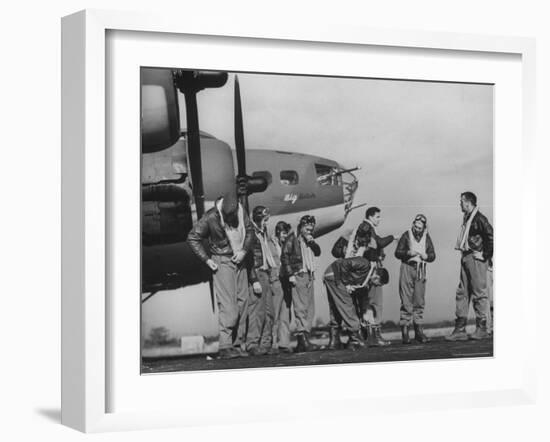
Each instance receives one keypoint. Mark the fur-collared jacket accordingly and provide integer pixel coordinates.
(210, 229)
(291, 254)
(256, 258)
(480, 236)
(403, 247)
(351, 271)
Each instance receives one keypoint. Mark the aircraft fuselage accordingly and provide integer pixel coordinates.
(297, 184)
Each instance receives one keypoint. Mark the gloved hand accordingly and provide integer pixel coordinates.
(213, 266)
(257, 288)
(238, 257)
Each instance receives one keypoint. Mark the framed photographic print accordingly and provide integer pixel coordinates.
(255, 212)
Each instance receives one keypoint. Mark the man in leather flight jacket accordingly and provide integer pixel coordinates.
(230, 235)
(297, 263)
(341, 279)
(371, 300)
(415, 250)
(266, 287)
(475, 242)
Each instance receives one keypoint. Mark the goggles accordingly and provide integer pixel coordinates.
(307, 219)
(260, 213)
(422, 218)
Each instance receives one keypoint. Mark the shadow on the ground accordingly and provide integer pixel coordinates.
(51, 414)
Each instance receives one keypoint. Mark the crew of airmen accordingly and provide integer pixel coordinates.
(258, 278)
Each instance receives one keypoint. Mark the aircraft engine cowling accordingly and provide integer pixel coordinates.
(160, 120)
(166, 214)
(218, 171)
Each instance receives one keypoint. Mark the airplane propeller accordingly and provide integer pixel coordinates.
(246, 185)
(239, 132)
(190, 83)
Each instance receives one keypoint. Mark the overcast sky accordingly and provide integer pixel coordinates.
(419, 145)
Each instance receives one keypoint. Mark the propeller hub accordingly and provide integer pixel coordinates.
(247, 185)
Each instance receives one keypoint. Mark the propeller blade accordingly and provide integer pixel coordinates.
(239, 132)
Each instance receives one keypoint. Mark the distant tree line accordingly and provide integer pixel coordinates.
(160, 337)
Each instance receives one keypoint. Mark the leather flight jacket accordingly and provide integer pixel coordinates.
(480, 237)
(256, 258)
(351, 271)
(291, 255)
(210, 228)
(364, 233)
(402, 249)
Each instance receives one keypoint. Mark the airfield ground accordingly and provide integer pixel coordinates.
(438, 348)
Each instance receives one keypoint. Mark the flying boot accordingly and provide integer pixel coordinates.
(355, 341)
(309, 345)
(405, 334)
(301, 345)
(459, 333)
(375, 337)
(481, 330)
(419, 335)
(257, 351)
(334, 342)
(228, 353)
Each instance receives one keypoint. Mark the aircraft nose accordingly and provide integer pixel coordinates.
(350, 183)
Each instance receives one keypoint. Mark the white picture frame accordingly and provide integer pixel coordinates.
(86, 201)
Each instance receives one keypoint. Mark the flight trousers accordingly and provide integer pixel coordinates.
(491, 319)
(261, 311)
(304, 302)
(371, 299)
(342, 308)
(282, 301)
(472, 288)
(230, 283)
(412, 292)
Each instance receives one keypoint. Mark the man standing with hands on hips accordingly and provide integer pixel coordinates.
(475, 242)
(230, 236)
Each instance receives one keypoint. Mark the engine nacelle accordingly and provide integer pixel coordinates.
(160, 119)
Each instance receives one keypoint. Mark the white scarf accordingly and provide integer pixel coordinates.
(268, 260)
(417, 246)
(278, 247)
(462, 240)
(236, 235)
(307, 256)
(275, 250)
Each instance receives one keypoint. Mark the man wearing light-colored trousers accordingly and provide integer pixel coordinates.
(230, 237)
(297, 260)
(265, 287)
(491, 321)
(282, 300)
(415, 249)
(366, 242)
(341, 279)
(475, 242)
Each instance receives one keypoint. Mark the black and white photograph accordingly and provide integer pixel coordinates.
(296, 220)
